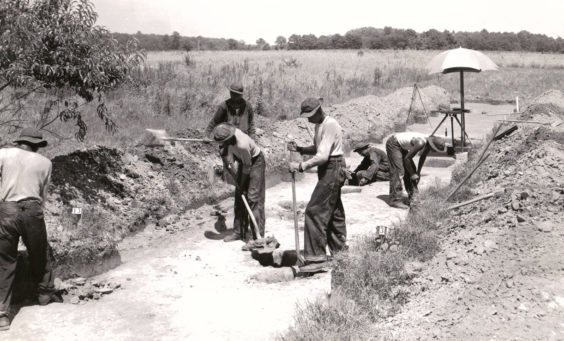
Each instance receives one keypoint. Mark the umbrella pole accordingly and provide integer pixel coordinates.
(463, 135)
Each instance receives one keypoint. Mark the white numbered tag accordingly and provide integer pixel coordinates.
(77, 210)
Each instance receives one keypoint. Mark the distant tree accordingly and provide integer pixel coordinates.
(175, 41)
(53, 47)
(232, 44)
(261, 43)
(281, 43)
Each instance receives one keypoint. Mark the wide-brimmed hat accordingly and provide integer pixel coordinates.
(437, 143)
(223, 132)
(310, 106)
(360, 146)
(33, 136)
(236, 88)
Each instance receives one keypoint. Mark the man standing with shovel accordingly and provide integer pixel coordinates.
(250, 178)
(325, 214)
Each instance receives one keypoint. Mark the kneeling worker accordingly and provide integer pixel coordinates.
(401, 148)
(250, 178)
(374, 166)
(325, 214)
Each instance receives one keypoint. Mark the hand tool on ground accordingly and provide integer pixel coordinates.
(160, 136)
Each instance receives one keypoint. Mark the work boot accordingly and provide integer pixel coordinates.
(45, 299)
(315, 267)
(4, 323)
(232, 237)
(399, 204)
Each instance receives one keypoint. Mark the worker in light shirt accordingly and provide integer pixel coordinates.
(325, 214)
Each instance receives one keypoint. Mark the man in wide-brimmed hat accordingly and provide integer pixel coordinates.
(235, 111)
(249, 178)
(401, 148)
(24, 178)
(325, 214)
(373, 167)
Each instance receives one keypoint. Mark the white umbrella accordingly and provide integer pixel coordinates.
(460, 60)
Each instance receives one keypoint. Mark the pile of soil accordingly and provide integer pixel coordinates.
(500, 267)
(118, 194)
(547, 108)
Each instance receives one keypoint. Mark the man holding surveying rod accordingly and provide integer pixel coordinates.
(324, 215)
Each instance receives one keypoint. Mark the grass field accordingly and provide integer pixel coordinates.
(179, 90)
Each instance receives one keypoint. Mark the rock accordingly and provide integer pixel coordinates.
(122, 177)
(502, 210)
(545, 226)
(104, 291)
(79, 281)
(451, 254)
(520, 219)
(74, 300)
(393, 248)
(59, 284)
(479, 250)
(515, 205)
(490, 244)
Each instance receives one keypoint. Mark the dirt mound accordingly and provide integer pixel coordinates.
(500, 265)
(546, 108)
(99, 196)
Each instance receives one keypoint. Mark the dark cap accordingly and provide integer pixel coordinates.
(310, 106)
(33, 136)
(236, 88)
(360, 146)
(437, 143)
(223, 132)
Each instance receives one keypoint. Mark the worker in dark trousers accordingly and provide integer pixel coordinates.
(373, 167)
(24, 178)
(236, 111)
(325, 214)
(250, 178)
(401, 148)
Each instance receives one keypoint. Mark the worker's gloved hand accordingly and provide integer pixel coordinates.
(294, 167)
(292, 146)
(363, 181)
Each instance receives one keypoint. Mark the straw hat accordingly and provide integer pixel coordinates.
(33, 136)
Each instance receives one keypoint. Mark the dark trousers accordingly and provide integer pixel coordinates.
(255, 199)
(399, 170)
(325, 214)
(30, 226)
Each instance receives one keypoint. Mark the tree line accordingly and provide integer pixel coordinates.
(361, 38)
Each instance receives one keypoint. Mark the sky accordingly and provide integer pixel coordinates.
(249, 20)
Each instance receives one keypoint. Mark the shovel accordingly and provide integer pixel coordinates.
(301, 260)
(248, 208)
(160, 136)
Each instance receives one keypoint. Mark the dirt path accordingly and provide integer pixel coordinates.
(191, 285)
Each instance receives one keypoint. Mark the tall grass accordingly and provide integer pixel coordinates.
(176, 90)
(372, 277)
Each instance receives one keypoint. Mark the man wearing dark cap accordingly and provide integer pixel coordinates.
(24, 178)
(401, 148)
(250, 178)
(325, 214)
(235, 111)
(373, 167)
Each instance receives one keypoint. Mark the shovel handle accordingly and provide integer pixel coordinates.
(253, 220)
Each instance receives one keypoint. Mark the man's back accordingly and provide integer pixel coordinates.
(23, 174)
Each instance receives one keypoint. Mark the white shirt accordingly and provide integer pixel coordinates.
(404, 139)
(328, 141)
(23, 175)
